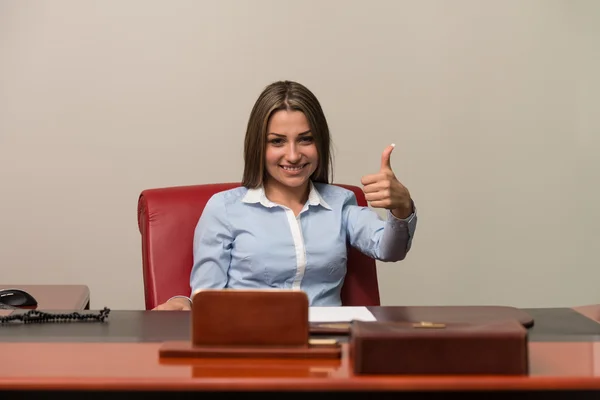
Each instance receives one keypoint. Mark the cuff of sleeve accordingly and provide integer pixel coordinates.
(403, 223)
(407, 219)
(184, 297)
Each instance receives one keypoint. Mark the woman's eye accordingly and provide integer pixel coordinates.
(276, 141)
(307, 139)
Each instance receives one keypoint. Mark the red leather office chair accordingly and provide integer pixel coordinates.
(167, 218)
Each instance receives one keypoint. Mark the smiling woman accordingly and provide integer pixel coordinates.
(291, 159)
(287, 227)
(286, 113)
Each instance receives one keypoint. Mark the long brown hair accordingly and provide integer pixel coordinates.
(291, 96)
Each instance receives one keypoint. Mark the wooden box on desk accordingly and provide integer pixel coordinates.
(250, 323)
(495, 348)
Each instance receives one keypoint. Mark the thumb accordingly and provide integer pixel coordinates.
(385, 157)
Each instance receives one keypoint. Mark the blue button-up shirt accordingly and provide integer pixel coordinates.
(243, 240)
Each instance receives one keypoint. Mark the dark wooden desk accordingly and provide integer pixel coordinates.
(122, 354)
(57, 297)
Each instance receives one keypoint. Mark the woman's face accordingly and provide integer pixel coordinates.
(291, 154)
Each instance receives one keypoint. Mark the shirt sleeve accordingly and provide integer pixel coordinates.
(384, 240)
(212, 247)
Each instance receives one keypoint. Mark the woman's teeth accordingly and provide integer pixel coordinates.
(292, 168)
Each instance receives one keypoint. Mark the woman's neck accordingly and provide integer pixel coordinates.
(285, 195)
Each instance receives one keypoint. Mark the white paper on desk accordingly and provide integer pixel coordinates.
(339, 314)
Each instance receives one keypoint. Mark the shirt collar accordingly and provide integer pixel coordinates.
(258, 196)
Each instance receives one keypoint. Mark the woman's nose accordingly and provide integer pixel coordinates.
(293, 155)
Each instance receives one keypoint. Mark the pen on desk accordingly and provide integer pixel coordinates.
(323, 342)
(334, 325)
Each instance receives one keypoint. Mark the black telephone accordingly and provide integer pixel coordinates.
(17, 298)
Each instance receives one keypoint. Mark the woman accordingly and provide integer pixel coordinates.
(286, 226)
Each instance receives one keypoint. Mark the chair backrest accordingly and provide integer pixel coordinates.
(167, 218)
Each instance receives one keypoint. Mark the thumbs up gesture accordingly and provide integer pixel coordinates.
(384, 190)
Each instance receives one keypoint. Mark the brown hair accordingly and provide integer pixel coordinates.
(291, 96)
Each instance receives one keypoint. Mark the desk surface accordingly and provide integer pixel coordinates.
(551, 325)
(122, 353)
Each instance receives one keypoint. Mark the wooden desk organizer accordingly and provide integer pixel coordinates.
(492, 348)
(234, 323)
